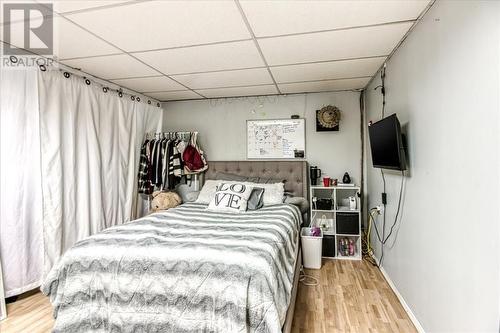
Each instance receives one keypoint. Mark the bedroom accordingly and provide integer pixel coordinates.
(228, 166)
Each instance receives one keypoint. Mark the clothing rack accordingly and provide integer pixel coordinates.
(163, 164)
(184, 135)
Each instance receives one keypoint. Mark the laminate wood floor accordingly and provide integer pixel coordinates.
(352, 296)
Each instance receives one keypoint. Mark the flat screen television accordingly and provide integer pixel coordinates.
(387, 144)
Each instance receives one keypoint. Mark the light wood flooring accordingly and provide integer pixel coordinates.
(352, 296)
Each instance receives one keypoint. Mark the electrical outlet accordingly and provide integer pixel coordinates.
(380, 209)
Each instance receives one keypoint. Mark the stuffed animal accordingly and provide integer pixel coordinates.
(165, 200)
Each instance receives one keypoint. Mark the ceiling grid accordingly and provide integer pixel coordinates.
(245, 19)
(175, 50)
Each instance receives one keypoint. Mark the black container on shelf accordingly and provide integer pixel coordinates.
(348, 223)
(324, 204)
(328, 246)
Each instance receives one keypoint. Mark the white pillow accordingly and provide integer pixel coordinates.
(273, 193)
(208, 191)
(231, 197)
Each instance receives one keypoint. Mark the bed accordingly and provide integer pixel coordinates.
(187, 269)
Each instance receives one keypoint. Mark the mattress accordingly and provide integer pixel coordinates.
(188, 269)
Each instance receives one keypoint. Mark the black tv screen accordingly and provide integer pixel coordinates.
(386, 144)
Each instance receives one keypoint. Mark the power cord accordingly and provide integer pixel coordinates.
(384, 238)
(306, 279)
(366, 248)
(382, 89)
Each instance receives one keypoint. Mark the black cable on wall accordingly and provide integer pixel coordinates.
(383, 238)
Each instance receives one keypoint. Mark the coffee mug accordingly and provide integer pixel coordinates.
(326, 181)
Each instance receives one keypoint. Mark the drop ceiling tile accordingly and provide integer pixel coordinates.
(163, 24)
(242, 77)
(70, 41)
(174, 95)
(150, 84)
(65, 6)
(112, 67)
(239, 91)
(204, 58)
(342, 44)
(327, 70)
(271, 18)
(318, 86)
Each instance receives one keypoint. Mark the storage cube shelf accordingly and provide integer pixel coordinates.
(341, 226)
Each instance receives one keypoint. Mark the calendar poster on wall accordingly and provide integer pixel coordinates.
(277, 138)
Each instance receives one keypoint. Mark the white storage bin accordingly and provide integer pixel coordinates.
(311, 248)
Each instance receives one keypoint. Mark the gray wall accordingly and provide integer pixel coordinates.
(222, 127)
(443, 83)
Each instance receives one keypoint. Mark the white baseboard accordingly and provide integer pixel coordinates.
(410, 313)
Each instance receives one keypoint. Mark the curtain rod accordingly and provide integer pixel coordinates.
(106, 88)
(43, 62)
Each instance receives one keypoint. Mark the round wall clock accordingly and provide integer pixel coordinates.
(327, 119)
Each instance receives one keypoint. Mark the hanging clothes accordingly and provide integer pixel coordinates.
(176, 160)
(156, 162)
(194, 157)
(169, 179)
(145, 186)
(162, 162)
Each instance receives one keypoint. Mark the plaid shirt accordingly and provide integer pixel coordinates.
(144, 179)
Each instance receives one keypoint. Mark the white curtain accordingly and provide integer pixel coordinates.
(90, 146)
(21, 233)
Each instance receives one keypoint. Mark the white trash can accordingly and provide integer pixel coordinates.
(311, 248)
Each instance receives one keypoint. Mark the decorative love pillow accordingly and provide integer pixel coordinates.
(231, 197)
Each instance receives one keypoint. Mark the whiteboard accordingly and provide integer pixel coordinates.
(277, 138)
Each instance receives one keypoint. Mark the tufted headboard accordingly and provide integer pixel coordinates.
(294, 172)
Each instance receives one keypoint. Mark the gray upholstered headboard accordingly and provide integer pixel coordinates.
(293, 172)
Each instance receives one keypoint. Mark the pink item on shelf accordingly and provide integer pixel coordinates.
(351, 247)
(316, 231)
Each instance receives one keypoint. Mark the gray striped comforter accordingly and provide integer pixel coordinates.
(185, 270)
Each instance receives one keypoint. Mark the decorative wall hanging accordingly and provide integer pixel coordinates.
(327, 119)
